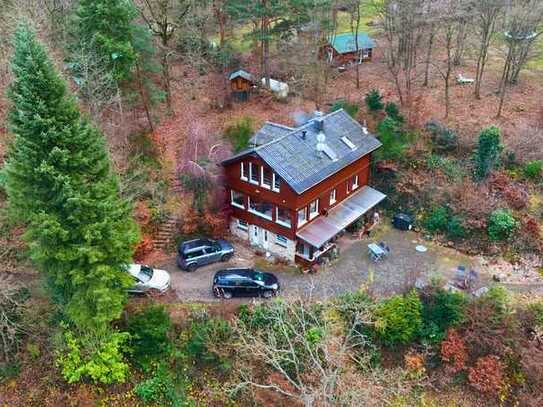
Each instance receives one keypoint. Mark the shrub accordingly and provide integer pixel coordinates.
(149, 331)
(393, 111)
(161, 389)
(443, 138)
(452, 169)
(453, 351)
(487, 375)
(533, 169)
(239, 133)
(440, 219)
(501, 225)
(487, 155)
(351, 108)
(393, 138)
(93, 355)
(441, 310)
(374, 101)
(398, 319)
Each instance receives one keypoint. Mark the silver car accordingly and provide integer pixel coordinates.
(148, 279)
(199, 252)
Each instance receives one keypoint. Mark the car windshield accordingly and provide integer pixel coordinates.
(258, 276)
(145, 274)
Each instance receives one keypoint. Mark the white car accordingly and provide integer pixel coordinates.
(147, 278)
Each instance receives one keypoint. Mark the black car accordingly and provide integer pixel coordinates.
(199, 252)
(245, 282)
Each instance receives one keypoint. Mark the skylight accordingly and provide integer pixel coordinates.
(329, 152)
(348, 142)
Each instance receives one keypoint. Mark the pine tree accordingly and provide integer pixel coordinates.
(60, 182)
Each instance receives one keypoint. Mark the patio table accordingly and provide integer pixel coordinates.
(376, 252)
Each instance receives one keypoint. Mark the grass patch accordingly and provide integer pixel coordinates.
(280, 267)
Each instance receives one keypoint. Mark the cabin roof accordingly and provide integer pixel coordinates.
(241, 73)
(269, 132)
(345, 43)
(295, 158)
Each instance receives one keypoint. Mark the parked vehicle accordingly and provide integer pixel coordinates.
(148, 279)
(402, 221)
(244, 282)
(199, 252)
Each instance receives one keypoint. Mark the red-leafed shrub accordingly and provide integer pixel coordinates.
(217, 224)
(191, 222)
(453, 351)
(487, 375)
(144, 247)
(531, 227)
(516, 196)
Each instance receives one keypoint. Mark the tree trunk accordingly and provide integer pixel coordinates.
(429, 55)
(167, 82)
(460, 42)
(144, 97)
(266, 52)
(503, 83)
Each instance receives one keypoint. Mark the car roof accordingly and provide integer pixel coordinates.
(195, 244)
(235, 272)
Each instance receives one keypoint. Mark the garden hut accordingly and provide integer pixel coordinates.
(241, 83)
(341, 48)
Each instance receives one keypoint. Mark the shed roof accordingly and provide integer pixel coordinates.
(241, 73)
(344, 43)
(295, 156)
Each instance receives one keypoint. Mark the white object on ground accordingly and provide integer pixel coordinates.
(421, 249)
(279, 88)
(462, 80)
(480, 291)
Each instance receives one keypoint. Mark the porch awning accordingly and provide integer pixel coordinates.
(339, 217)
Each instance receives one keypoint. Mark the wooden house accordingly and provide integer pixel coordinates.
(241, 84)
(295, 189)
(341, 48)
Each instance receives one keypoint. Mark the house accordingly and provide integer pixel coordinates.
(241, 83)
(341, 48)
(295, 189)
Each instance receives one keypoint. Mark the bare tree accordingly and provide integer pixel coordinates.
(12, 300)
(486, 15)
(163, 17)
(523, 26)
(354, 11)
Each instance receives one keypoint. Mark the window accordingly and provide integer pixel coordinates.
(283, 217)
(260, 208)
(238, 199)
(348, 142)
(243, 172)
(333, 197)
(267, 177)
(243, 225)
(314, 209)
(302, 249)
(253, 173)
(355, 182)
(302, 216)
(281, 240)
(276, 183)
(348, 187)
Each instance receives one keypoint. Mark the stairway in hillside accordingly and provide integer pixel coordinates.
(166, 233)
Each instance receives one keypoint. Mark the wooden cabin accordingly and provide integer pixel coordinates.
(241, 84)
(341, 48)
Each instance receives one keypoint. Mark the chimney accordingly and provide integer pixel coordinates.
(304, 133)
(318, 121)
(364, 128)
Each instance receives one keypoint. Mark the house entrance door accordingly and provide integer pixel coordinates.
(264, 235)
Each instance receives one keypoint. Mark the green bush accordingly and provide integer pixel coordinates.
(149, 330)
(441, 220)
(239, 133)
(501, 225)
(374, 101)
(452, 169)
(487, 154)
(399, 319)
(533, 169)
(393, 111)
(95, 356)
(161, 389)
(441, 310)
(394, 139)
(443, 138)
(351, 108)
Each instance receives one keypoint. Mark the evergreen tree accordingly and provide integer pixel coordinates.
(489, 149)
(108, 24)
(59, 181)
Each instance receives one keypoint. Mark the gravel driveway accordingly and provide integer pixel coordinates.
(350, 272)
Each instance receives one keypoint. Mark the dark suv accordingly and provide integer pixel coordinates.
(199, 252)
(244, 283)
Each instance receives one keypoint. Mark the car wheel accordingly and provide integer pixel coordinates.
(226, 257)
(227, 294)
(267, 294)
(192, 267)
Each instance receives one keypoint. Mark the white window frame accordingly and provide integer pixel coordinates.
(262, 215)
(251, 169)
(287, 225)
(242, 171)
(262, 183)
(281, 240)
(347, 141)
(355, 182)
(304, 221)
(313, 215)
(273, 184)
(237, 205)
(333, 196)
(240, 226)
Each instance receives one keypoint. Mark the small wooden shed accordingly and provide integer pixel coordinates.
(341, 48)
(241, 83)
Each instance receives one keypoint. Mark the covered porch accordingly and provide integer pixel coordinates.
(317, 238)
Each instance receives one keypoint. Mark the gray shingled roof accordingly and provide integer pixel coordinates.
(297, 161)
(240, 72)
(269, 132)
